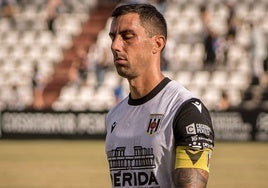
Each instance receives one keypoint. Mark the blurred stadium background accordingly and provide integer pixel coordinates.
(57, 79)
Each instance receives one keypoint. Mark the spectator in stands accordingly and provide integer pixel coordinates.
(210, 40)
(224, 103)
(73, 73)
(52, 12)
(224, 44)
(205, 16)
(211, 44)
(38, 83)
(265, 63)
(22, 3)
(231, 20)
(133, 1)
(78, 71)
(98, 56)
(119, 91)
(8, 10)
(264, 80)
(164, 63)
(101, 66)
(161, 5)
(257, 50)
(14, 103)
(83, 64)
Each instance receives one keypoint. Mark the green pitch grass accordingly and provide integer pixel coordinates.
(82, 164)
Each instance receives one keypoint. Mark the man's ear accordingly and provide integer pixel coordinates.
(159, 43)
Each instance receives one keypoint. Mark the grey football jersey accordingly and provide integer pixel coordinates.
(140, 142)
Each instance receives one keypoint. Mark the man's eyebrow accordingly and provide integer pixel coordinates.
(127, 31)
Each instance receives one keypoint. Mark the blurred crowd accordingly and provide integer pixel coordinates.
(214, 35)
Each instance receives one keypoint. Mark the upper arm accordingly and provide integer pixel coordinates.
(194, 139)
(193, 126)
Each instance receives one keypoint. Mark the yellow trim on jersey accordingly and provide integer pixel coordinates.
(187, 157)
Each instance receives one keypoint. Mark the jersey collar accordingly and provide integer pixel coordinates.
(149, 96)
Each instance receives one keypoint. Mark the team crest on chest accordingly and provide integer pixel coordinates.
(154, 124)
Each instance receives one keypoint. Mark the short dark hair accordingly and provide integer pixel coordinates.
(151, 19)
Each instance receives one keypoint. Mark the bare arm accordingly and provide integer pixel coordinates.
(190, 178)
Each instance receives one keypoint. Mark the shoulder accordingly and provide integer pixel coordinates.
(177, 93)
(192, 125)
(118, 109)
(193, 110)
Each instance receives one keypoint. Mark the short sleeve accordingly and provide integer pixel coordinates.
(193, 126)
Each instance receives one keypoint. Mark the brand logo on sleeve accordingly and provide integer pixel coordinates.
(198, 105)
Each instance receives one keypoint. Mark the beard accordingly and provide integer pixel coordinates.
(125, 71)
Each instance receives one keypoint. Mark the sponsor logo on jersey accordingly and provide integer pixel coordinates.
(142, 158)
(140, 179)
(201, 135)
(198, 128)
(154, 123)
(132, 170)
(190, 129)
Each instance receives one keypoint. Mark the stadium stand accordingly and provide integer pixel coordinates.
(240, 29)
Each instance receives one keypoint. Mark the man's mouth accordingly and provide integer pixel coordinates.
(119, 60)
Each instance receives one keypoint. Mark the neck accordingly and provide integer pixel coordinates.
(141, 86)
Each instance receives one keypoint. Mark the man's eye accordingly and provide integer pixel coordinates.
(128, 36)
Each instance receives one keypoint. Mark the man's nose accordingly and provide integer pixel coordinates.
(116, 44)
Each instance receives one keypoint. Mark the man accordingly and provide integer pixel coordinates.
(160, 135)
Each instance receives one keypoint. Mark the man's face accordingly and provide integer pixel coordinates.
(131, 46)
